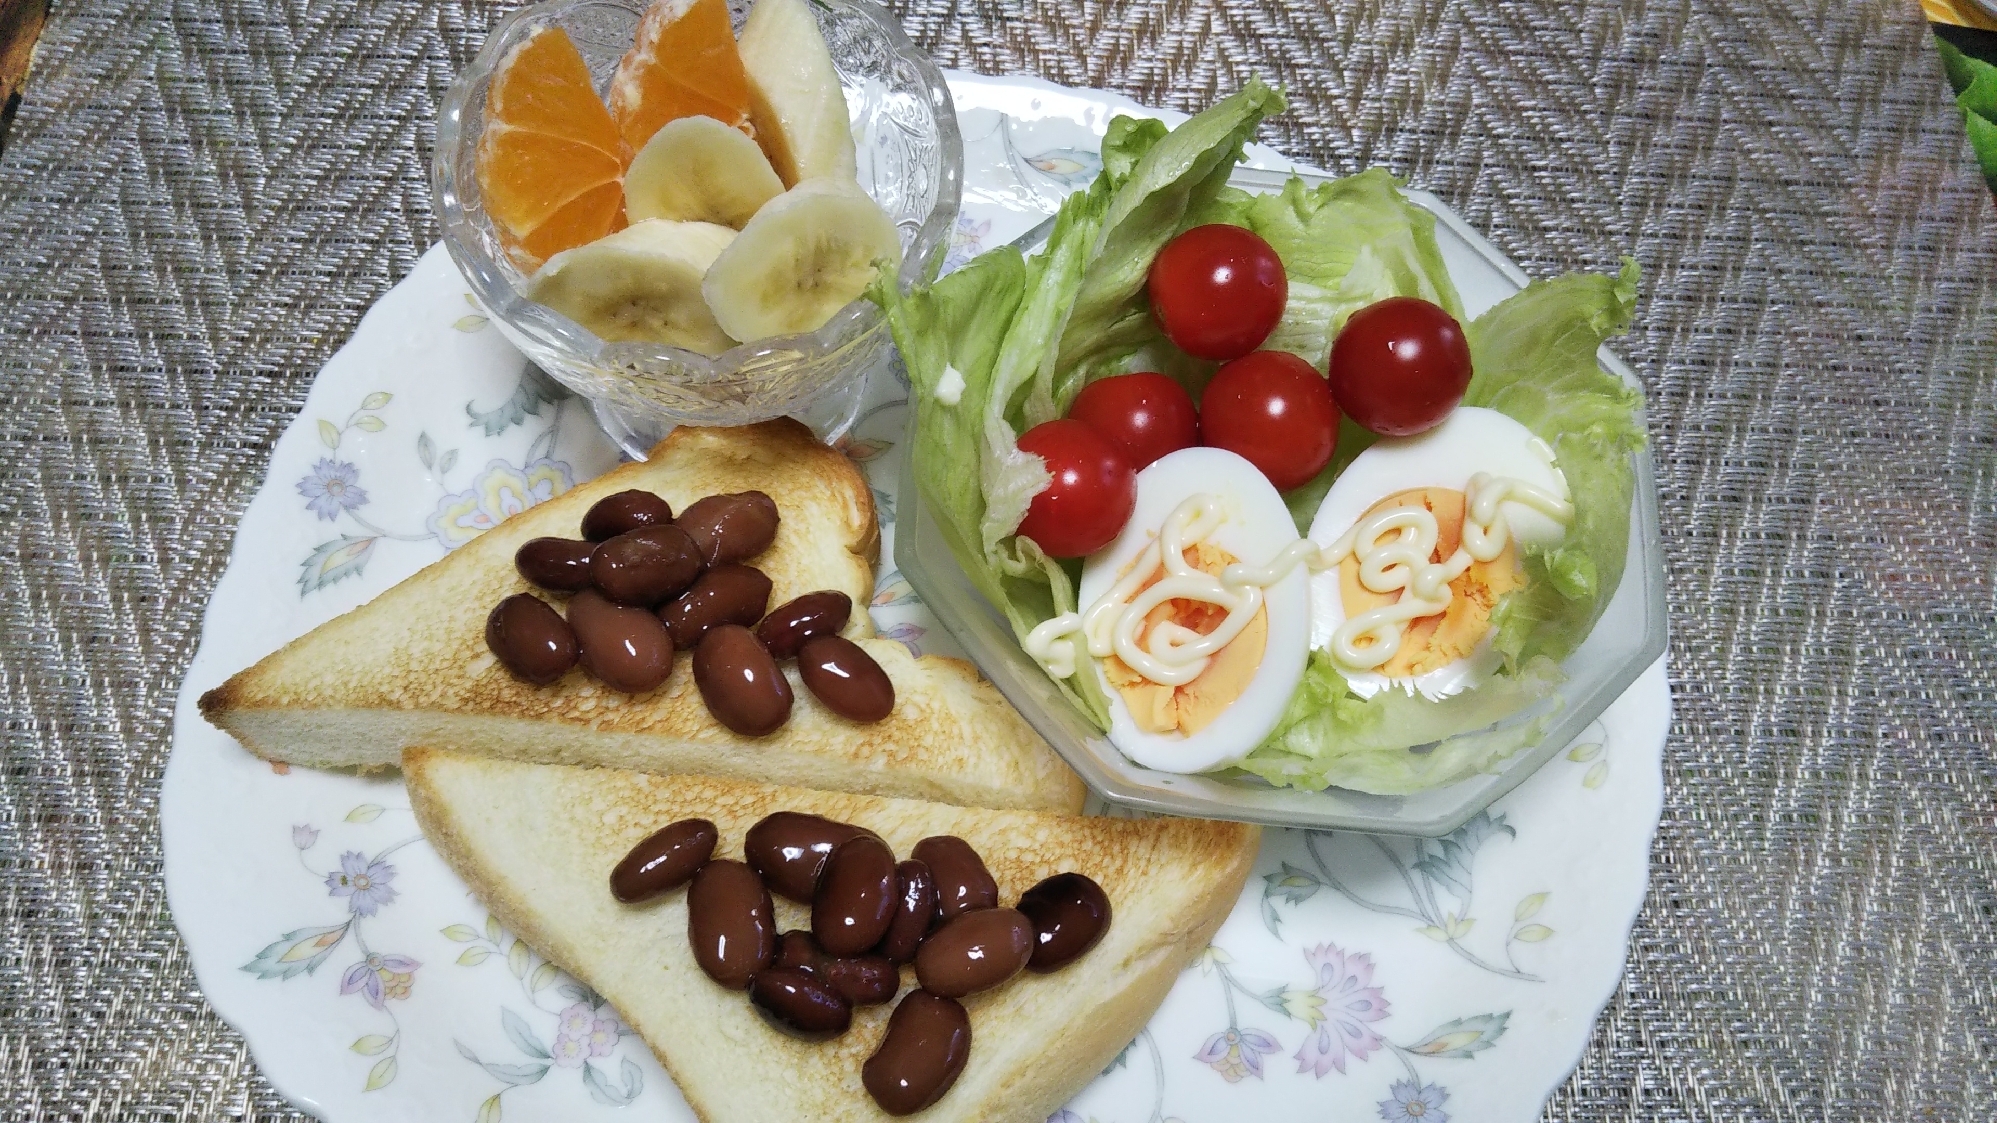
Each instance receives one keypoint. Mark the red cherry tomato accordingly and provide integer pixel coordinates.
(1399, 366)
(1217, 291)
(1274, 410)
(1145, 415)
(1093, 491)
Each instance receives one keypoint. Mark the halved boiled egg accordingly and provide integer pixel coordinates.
(1238, 695)
(1449, 652)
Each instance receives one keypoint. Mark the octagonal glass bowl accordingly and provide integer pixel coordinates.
(910, 160)
(1628, 638)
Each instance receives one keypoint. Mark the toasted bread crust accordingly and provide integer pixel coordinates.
(536, 844)
(412, 664)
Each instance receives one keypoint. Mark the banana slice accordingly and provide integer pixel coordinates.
(808, 253)
(641, 284)
(794, 97)
(697, 169)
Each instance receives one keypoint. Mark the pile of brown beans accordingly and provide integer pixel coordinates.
(870, 916)
(644, 585)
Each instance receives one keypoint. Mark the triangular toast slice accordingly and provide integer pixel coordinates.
(537, 843)
(411, 666)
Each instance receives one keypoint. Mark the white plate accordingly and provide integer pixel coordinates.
(1357, 979)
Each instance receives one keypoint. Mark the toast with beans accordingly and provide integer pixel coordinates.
(538, 845)
(415, 665)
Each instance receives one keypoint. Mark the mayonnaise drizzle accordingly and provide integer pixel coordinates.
(1171, 654)
(1392, 547)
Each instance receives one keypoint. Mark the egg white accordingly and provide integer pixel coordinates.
(1257, 526)
(1471, 440)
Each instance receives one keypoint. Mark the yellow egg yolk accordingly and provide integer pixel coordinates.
(1160, 708)
(1436, 641)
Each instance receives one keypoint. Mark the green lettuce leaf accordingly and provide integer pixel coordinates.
(1346, 244)
(1179, 173)
(1534, 360)
(1331, 737)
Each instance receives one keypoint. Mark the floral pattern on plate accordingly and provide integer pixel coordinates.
(1356, 978)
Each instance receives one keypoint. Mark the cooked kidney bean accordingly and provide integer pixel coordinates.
(914, 912)
(789, 624)
(962, 881)
(731, 923)
(731, 528)
(741, 684)
(927, 1042)
(728, 594)
(789, 848)
(977, 951)
(855, 898)
(801, 1004)
(1070, 913)
(864, 980)
(842, 675)
(645, 566)
(666, 859)
(531, 639)
(628, 648)
(623, 512)
(561, 564)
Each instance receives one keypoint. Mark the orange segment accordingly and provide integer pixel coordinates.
(550, 156)
(583, 219)
(684, 64)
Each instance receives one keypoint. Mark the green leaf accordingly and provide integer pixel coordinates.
(299, 952)
(488, 1112)
(461, 933)
(1464, 1037)
(381, 1074)
(329, 433)
(365, 813)
(377, 400)
(1597, 773)
(371, 1044)
(1974, 80)
(517, 958)
(345, 556)
(1433, 933)
(522, 1034)
(1328, 735)
(472, 957)
(1534, 356)
(370, 423)
(543, 975)
(426, 449)
(1346, 244)
(492, 928)
(1533, 933)
(468, 323)
(1529, 906)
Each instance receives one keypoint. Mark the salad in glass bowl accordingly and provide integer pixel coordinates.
(1270, 520)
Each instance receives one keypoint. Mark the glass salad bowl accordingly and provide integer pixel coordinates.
(1629, 636)
(910, 160)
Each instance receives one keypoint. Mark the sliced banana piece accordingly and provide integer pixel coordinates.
(808, 253)
(697, 169)
(795, 101)
(641, 284)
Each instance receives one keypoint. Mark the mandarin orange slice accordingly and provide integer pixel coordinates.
(684, 64)
(550, 163)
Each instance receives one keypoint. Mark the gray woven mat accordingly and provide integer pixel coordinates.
(201, 198)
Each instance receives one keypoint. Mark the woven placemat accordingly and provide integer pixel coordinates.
(200, 199)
